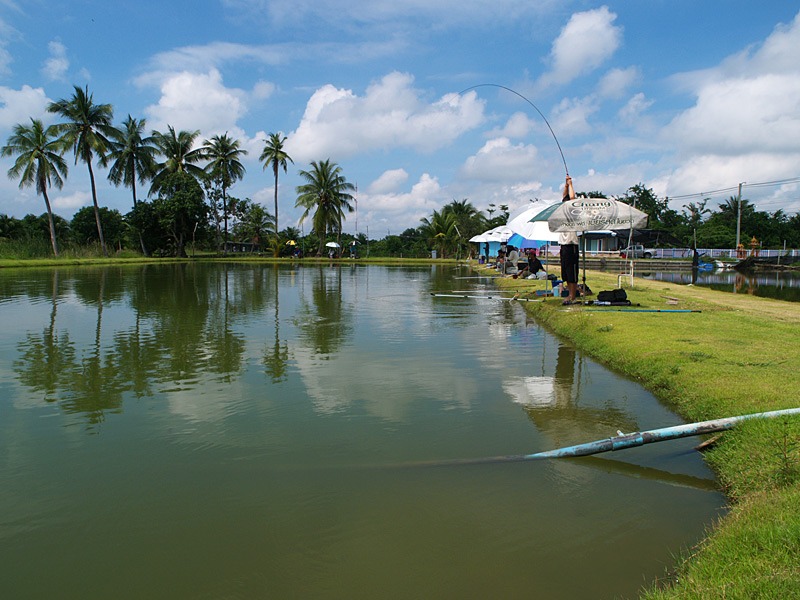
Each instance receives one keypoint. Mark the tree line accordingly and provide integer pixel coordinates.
(188, 195)
(188, 198)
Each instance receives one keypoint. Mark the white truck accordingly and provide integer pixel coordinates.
(636, 251)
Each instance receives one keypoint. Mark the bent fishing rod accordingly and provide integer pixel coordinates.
(502, 87)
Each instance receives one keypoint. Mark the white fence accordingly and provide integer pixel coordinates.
(721, 253)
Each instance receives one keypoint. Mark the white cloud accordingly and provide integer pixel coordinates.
(499, 161)
(571, 116)
(71, 202)
(398, 211)
(388, 182)
(745, 123)
(518, 125)
(742, 114)
(586, 42)
(197, 101)
(263, 90)
(19, 106)
(55, 67)
(338, 123)
(616, 82)
(349, 13)
(216, 55)
(633, 109)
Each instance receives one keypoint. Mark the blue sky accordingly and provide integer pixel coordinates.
(685, 97)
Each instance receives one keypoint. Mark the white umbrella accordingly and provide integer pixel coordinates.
(530, 233)
(591, 214)
(499, 234)
(332, 245)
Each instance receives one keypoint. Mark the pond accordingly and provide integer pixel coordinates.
(780, 285)
(255, 431)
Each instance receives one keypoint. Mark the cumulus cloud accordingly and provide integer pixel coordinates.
(392, 113)
(588, 40)
(197, 101)
(55, 67)
(745, 122)
(399, 210)
(388, 182)
(498, 160)
(518, 125)
(19, 106)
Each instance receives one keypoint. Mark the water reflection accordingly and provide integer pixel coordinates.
(780, 285)
(232, 410)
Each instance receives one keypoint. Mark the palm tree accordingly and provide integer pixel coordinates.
(439, 230)
(39, 161)
(257, 223)
(327, 192)
(468, 221)
(179, 157)
(275, 156)
(223, 155)
(131, 156)
(85, 133)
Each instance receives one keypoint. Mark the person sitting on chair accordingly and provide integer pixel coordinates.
(511, 260)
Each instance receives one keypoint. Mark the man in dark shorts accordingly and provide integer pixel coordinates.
(568, 241)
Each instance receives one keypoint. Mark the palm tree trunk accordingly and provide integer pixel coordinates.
(97, 210)
(275, 169)
(52, 223)
(225, 218)
(133, 189)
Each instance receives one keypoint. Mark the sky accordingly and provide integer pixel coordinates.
(687, 98)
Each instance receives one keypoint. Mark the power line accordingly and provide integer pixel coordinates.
(735, 188)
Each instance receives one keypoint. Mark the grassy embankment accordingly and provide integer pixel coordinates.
(739, 355)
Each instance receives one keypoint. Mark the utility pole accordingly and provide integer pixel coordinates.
(739, 215)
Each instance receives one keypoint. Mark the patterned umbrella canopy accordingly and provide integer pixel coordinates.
(592, 214)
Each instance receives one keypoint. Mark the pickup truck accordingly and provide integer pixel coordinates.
(636, 251)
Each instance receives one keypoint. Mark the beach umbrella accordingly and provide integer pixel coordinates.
(499, 234)
(592, 214)
(530, 233)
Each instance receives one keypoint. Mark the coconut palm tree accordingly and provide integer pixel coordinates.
(256, 224)
(439, 230)
(275, 156)
(131, 156)
(223, 154)
(39, 161)
(327, 193)
(178, 154)
(85, 132)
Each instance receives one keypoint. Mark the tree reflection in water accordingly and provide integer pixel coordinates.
(184, 319)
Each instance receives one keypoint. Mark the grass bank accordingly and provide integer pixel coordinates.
(739, 355)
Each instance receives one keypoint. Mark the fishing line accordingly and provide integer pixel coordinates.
(534, 107)
(514, 298)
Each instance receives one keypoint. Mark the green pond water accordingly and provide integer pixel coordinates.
(250, 431)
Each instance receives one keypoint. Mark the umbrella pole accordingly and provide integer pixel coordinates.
(583, 239)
